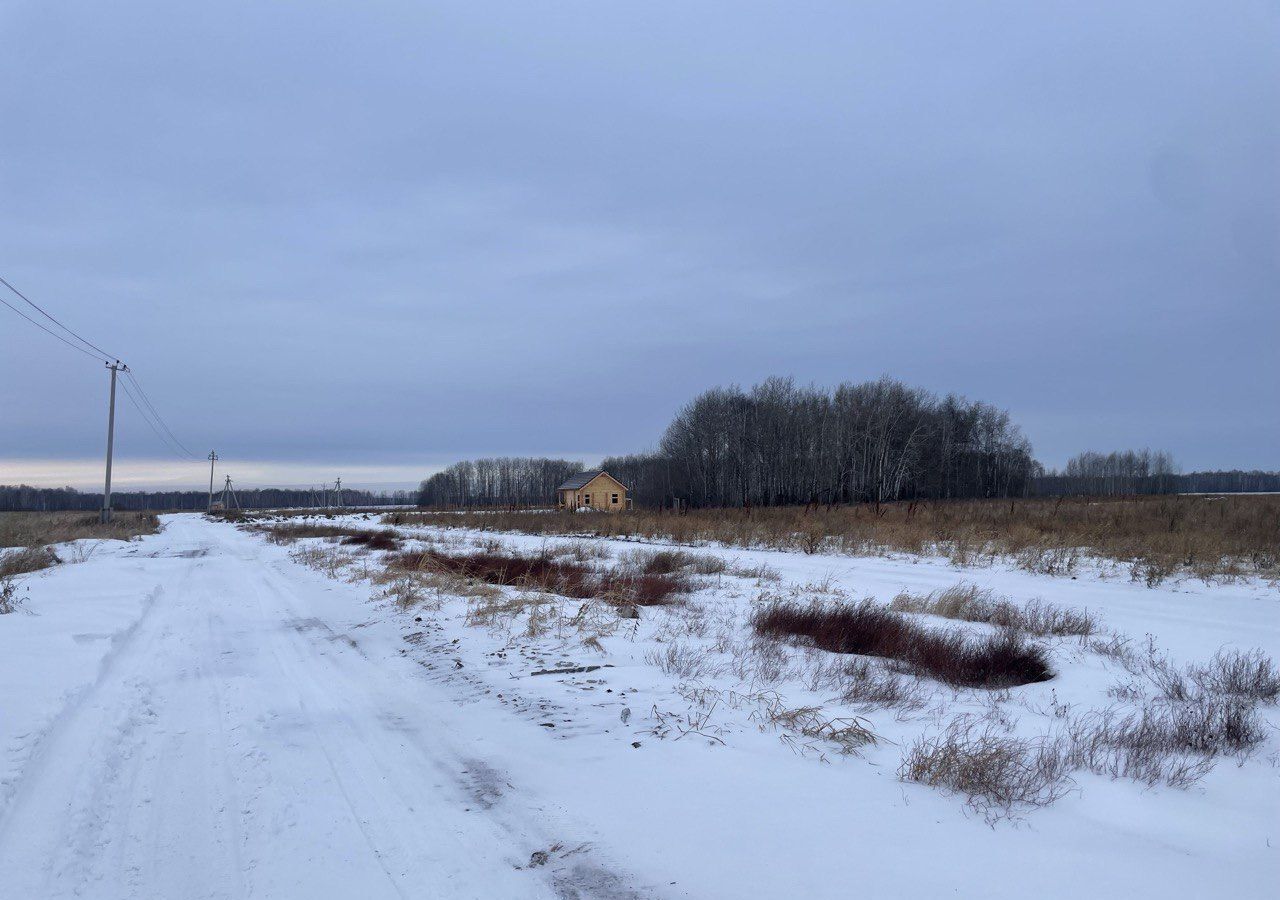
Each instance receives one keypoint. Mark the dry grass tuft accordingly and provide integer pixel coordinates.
(997, 772)
(868, 685)
(28, 559)
(969, 603)
(668, 562)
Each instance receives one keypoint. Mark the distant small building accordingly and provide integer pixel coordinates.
(593, 490)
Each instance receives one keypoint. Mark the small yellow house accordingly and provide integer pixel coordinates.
(593, 490)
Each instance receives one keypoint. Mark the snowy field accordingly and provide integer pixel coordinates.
(204, 713)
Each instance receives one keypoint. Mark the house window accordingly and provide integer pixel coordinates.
(586, 499)
(613, 498)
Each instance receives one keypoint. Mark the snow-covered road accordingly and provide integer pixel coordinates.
(196, 714)
(237, 742)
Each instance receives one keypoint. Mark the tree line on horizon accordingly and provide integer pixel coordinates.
(877, 441)
(773, 444)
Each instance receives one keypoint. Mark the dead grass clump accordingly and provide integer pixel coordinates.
(1164, 743)
(329, 561)
(28, 559)
(759, 571)
(581, 551)
(1001, 660)
(868, 685)
(1232, 674)
(500, 610)
(667, 562)
(969, 603)
(383, 539)
(405, 592)
(1049, 560)
(997, 772)
(1243, 675)
(848, 734)
(683, 661)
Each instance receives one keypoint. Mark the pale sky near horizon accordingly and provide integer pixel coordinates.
(370, 239)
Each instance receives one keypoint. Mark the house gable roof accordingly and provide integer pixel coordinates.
(582, 479)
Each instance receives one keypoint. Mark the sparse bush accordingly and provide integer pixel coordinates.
(997, 772)
(1230, 674)
(1001, 660)
(1158, 743)
(1245, 675)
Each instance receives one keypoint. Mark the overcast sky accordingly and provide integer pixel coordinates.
(367, 239)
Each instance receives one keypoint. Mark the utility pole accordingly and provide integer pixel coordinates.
(229, 495)
(213, 458)
(116, 368)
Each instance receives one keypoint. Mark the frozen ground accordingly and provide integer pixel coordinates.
(196, 714)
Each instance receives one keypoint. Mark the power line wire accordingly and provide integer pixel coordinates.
(96, 352)
(42, 312)
(54, 333)
(151, 406)
(146, 418)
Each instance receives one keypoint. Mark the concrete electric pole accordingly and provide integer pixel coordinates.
(213, 458)
(116, 368)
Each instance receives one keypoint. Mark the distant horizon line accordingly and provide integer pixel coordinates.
(147, 474)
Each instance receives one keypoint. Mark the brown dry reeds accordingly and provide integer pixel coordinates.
(997, 661)
(543, 572)
(287, 533)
